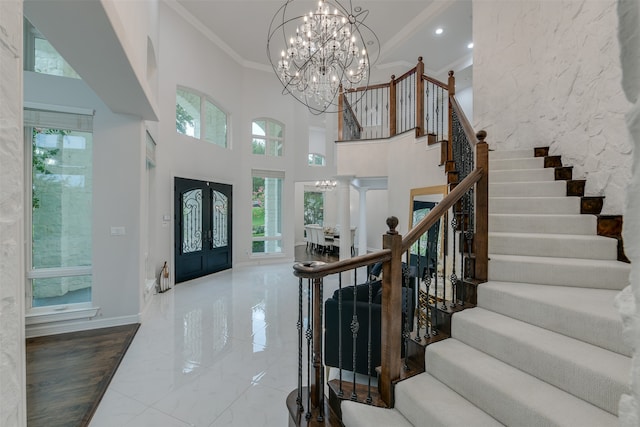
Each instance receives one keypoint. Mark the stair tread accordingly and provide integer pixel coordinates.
(540, 222)
(577, 312)
(589, 372)
(601, 263)
(509, 395)
(579, 272)
(436, 410)
(553, 245)
(357, 414)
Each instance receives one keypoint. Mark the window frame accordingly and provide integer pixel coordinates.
(270, 141)
(260, 173)
(72, 310)
(204, 98)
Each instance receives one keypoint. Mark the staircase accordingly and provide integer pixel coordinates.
(544, 344)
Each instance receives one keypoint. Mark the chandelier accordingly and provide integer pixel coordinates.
(315, 54)
(326, 185)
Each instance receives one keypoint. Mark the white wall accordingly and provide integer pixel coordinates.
(548, 73)
(12, 355)
(118, 165)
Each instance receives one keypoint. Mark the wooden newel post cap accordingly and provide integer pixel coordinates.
(450, 73)
(481, 135)
(392, 223)
(419, 58)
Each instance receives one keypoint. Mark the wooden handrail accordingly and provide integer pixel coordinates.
(432, 217)
(370, 87)
(435, 81)
(315, 269)
(407, 74)
(468, 129)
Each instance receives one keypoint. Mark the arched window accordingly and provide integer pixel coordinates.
(199, 117)
(267, 137)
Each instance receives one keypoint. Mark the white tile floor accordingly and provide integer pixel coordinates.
(215, 351)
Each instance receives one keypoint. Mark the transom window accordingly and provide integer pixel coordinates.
(41, 57)
(199, 117)
(268, 137)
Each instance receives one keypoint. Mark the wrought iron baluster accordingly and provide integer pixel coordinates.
(369, 338)
(318, 363)
(445, 247)
(442, 114)
(355, 326)
(454, 278)
(299, 325)
(405, 307)
(340, 389)
(309, 336)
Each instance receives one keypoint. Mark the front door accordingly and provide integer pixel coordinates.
(202, 228)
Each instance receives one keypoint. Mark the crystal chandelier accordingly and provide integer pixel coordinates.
(321, 52)
(326, 185)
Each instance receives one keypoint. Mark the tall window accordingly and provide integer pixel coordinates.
(41, 57)
(199, 117)
(60, 155)
(268, 137)
(313, 207)
(267, 211)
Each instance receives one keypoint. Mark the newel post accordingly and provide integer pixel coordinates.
(481, 240)
(391, 341)
(419, 98)
(392, 106)
(452, 91)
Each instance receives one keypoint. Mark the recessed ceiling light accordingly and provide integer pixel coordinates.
(439, 30)
(470, 45)
(357, 9)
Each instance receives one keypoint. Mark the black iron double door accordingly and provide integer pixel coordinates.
(203, 223)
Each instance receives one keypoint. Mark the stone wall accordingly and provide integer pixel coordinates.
(12, 357)
(629, 300)
(547, 73)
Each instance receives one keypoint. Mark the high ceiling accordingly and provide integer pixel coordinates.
(405, 29)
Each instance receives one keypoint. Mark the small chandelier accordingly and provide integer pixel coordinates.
(321, 52)
(326, 185)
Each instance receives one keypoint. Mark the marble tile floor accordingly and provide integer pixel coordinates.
(216, 351)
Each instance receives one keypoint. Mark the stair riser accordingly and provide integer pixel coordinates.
(575, 312)
(516, 164)
(553, 358)
(558, 224)
(511, 154)
(539, 205)
(567, 247)
(584, 276)
(528, 189)
(527, 175)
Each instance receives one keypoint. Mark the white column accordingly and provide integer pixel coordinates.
(344, 216)
(12, 336)
(362, 226)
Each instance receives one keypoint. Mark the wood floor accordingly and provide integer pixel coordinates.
(67, 374)
(303, 253)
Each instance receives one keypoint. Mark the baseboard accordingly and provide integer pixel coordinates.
(75, 326)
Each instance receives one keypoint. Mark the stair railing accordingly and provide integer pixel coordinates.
(411, 101)
(307, 403)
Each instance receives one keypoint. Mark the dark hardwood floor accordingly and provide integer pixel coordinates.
(304, 253)
(67, 374)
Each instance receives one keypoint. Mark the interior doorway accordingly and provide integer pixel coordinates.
(203, 227)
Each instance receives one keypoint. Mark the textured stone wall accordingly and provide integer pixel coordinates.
(629, 300)
(12, 362)
(547, 73)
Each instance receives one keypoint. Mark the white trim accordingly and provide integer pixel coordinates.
(46, 273)
(59, 108)
(53, 329)
(61, 314)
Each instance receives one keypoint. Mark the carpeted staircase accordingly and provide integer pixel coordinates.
(544, 345)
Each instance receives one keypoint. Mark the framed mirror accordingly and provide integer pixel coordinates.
(425, 253)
